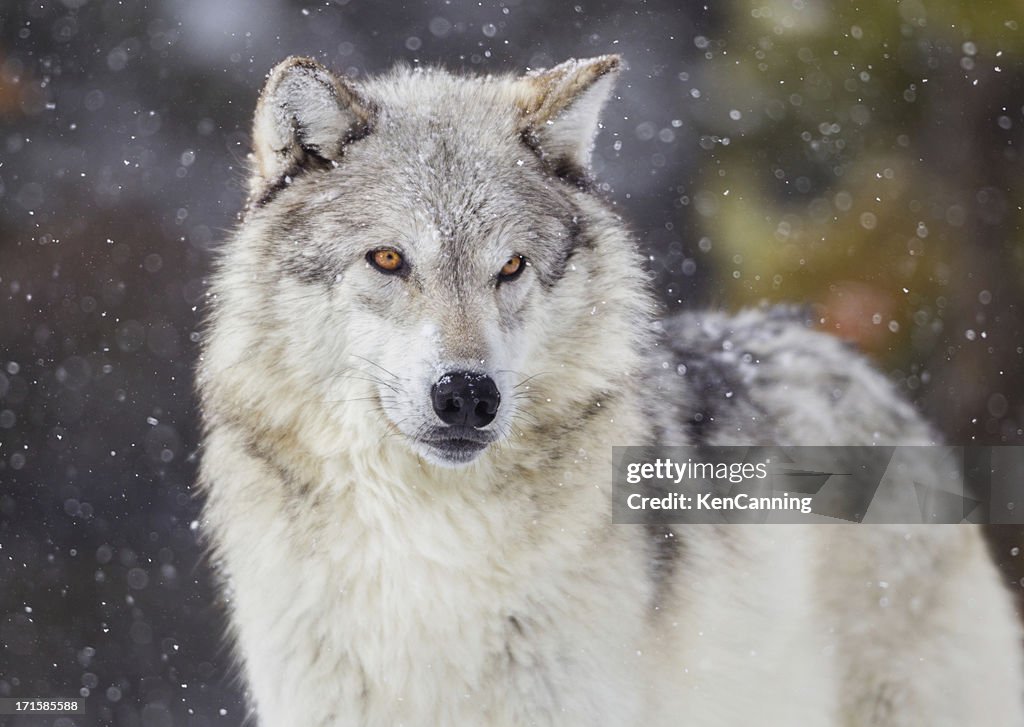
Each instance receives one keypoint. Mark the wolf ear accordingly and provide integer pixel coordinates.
(562, 109)
(304, 118)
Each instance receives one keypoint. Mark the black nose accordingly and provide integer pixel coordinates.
(461, 397)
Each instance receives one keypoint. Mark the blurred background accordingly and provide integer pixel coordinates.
(863, 158)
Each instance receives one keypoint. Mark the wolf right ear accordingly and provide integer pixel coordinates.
(561, 110)
(304, 118)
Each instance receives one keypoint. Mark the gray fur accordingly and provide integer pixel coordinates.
(374, 582)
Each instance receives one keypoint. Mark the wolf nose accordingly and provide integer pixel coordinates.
(465, 398)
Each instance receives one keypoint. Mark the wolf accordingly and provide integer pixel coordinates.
(424, 338)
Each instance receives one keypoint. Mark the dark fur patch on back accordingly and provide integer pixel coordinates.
(711, 381)
(714, 364)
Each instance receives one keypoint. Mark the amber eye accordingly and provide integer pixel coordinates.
(512, 268)
(386, 260)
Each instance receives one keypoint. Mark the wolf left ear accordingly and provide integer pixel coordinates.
(562, 110)
(304, 118)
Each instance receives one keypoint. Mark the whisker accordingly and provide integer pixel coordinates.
(529, 418)
(374, 363)
(346, 401)
(370, 379)
(531, 378)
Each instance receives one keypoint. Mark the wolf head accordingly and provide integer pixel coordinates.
(424, 246)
